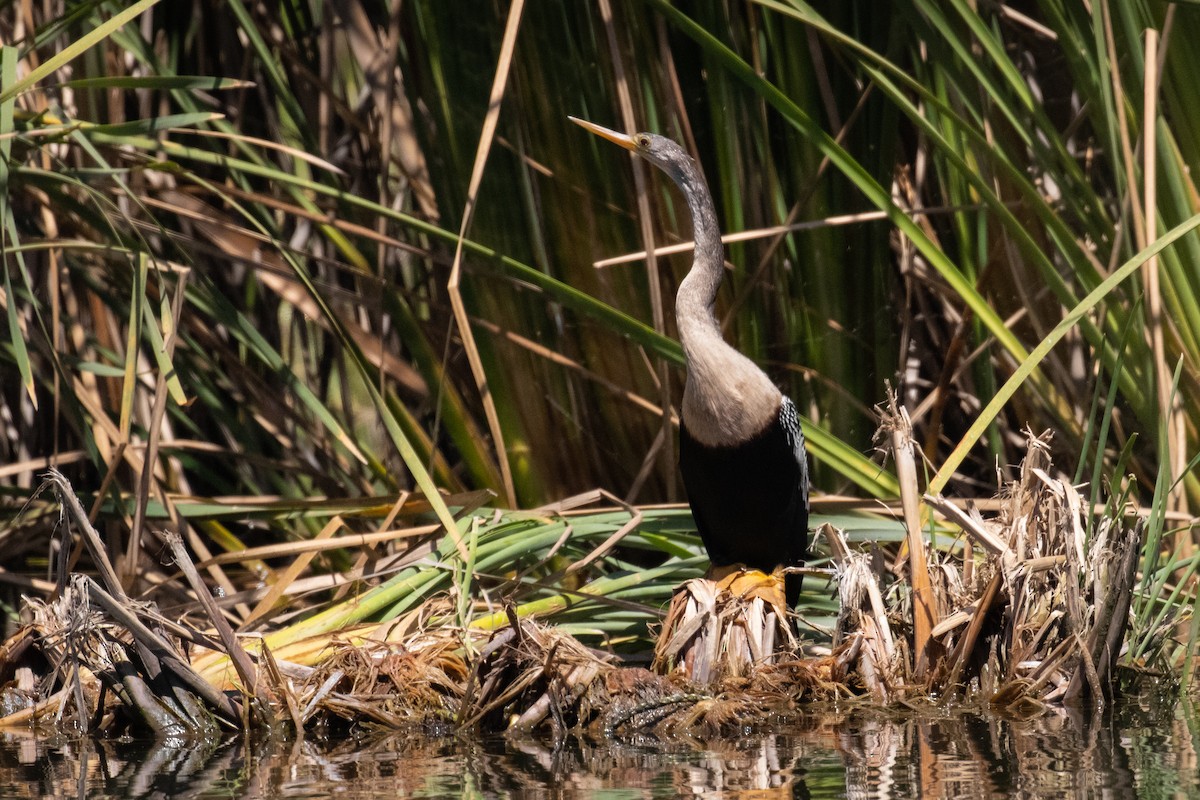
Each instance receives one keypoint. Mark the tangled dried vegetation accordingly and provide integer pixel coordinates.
(1026, 610)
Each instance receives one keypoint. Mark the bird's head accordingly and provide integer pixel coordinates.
(658, 150)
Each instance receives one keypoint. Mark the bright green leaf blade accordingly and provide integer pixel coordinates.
(166, 82)
(137, 302)
(1028, 365)
(8, 236)
(166, 370)
(145, 126)
(75, 48)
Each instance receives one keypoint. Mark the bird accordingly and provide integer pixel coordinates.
(741, 445)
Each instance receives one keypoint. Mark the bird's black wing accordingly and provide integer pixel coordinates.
(789, 420)
(750, 500)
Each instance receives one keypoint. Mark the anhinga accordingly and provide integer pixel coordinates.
(741, 449)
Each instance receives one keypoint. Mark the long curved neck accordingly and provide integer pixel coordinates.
(727, 398)
(697, 297)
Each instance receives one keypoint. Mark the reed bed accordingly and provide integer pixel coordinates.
(1028, 612)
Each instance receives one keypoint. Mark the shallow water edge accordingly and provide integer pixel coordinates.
(1144, 747)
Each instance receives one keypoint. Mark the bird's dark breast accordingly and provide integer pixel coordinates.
(748, 499)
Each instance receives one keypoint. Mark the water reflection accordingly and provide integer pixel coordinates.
(1139, 750)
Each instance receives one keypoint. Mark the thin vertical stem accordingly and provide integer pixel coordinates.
(486, 137)
(663, 442)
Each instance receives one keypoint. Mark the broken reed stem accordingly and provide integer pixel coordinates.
(923, 607)
(1122, 586)
(501, 640)
(863, 621)
(966, 645)
(161, 651)
(237, 654)
(725, 625)
(23, 717)
(70, 502)
(1108, 628)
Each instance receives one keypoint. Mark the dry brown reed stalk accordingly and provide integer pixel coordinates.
(527, 672)
(867, 650)
(1044, 616)
(453, 285)
(1035, 614)
(419, 682)
(528, 677)
(532, 676)
(897, 424)
(97, 629)
(237, 654)
(724, 626)
(103, 651)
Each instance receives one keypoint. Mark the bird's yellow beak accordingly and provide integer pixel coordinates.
(623, 139)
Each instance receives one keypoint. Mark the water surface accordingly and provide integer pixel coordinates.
(1142, 749)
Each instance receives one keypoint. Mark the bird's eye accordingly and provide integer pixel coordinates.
(642, 140)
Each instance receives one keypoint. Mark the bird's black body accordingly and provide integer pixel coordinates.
(741, 449)
(750, 500)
